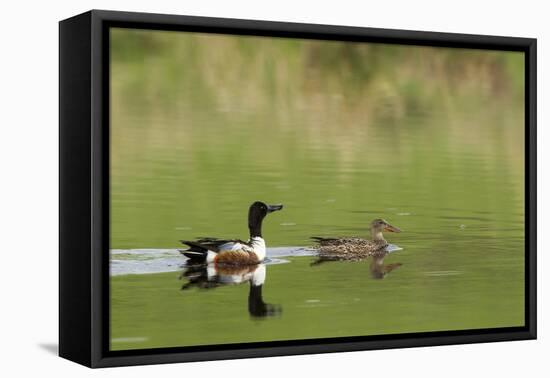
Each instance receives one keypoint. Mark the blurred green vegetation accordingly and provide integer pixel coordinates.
(202, 125)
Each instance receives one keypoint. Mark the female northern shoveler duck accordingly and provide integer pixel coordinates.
(233, 251)
(354, 248)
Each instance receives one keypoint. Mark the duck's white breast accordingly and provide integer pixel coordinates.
(258, 245)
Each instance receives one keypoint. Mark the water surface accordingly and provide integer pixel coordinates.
(430, 139)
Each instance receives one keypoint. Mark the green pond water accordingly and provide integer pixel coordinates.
(431, 139)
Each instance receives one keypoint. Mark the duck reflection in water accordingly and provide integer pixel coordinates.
(377, 268)
(211, 276)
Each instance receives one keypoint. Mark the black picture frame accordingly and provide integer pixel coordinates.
(84, 187)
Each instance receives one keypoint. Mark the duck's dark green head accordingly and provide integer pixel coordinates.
(256, 214)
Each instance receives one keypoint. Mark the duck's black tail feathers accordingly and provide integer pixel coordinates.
(321, 239)
(324, 241)
(196, 253)
(198, 249)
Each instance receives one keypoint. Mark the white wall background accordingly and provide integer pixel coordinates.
(29, 188)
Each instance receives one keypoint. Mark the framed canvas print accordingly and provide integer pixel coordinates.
(234, 188)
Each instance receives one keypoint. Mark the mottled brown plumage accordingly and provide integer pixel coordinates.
(349, 248)
(355, 248)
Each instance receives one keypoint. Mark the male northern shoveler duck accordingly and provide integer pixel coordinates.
(233, 251)
(212, 276)
(354, 248)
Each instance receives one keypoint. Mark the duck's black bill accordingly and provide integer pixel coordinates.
(272, 208)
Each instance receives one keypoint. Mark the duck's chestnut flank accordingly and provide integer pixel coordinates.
(236, 258)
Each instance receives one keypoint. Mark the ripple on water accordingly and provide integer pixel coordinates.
(148, 261)
(442, 273)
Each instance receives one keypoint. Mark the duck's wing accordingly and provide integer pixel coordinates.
(217, 241)
(326, 241)
(338, 241)
(349, 249)
(198, 250)
(320, 239)
(213, 244)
